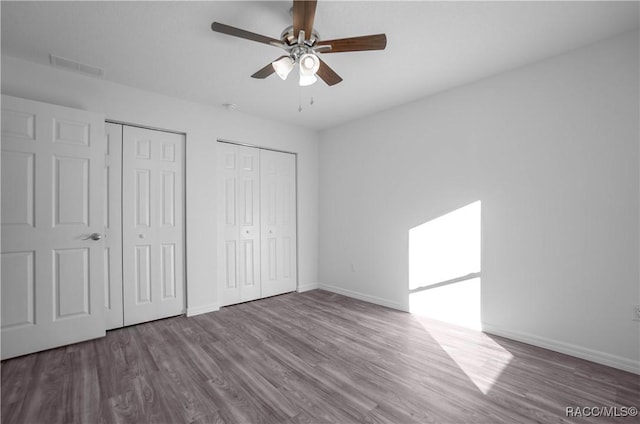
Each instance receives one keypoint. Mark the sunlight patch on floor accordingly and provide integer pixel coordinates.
(475, 353)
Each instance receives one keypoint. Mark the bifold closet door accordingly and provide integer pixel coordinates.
(152, 224)
(256, 223)
(278, 222)
(238, 223)
(52, 226)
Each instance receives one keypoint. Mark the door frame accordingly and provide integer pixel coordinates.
(295, 172)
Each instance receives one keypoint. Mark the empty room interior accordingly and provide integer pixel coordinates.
(320, 212)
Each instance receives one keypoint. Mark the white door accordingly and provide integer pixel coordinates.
(152, 224)
(278, 222)
(52, 270)
(239, 223)
(113, 227)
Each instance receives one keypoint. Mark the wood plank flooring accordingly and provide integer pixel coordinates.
(314, 357)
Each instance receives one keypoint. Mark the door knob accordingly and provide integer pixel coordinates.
(94, 237)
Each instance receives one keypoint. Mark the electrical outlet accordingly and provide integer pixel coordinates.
(636, 312)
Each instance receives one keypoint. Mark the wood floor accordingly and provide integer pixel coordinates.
(313, 357)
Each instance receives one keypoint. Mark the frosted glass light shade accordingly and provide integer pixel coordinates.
(309, 64)
(283, 66)
(307, 79)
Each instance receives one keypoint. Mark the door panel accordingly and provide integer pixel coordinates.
(19, 211)
(143, 274)
(143, 198)
(278, 229)
(153, 229)
(71, 191)
(71, 281)
(18, 301)
(113, 227)
(168, 270)
(52, 273)
(168, 201)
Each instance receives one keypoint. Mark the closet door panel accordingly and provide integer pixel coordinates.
(238, 223)
(249, 223)
(153, 229)
(278, 217)
(228, 228)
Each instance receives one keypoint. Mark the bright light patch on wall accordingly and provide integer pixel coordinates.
(445, 248)
(457, 303)
(444, 267)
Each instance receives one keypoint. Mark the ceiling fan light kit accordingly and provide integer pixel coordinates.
(309, 64)
(307, 61)
(306, 80)
(283, 66)
(302, 50)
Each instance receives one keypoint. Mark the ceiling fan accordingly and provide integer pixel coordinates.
(302, 44)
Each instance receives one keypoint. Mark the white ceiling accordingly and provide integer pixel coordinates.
(169, 48)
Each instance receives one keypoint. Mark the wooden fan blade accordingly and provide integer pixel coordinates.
(266, 71)
(327, 74)
(237, 32)
(355, 44)
(304, 12)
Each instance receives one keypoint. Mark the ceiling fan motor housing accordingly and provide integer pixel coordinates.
(290, 39)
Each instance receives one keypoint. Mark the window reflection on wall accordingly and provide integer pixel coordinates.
(444, 267)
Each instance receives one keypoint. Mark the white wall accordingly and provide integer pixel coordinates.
(203, 125)
(551, 150)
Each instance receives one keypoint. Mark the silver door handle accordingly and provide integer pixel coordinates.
(94, 236)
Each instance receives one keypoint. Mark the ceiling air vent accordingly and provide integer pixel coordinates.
(71, 65)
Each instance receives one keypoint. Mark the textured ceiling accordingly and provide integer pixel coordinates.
(169, 48)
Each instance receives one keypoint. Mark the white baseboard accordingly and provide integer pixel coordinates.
(307, 287)
(599, 357)
(361, 296)
(203, 309)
